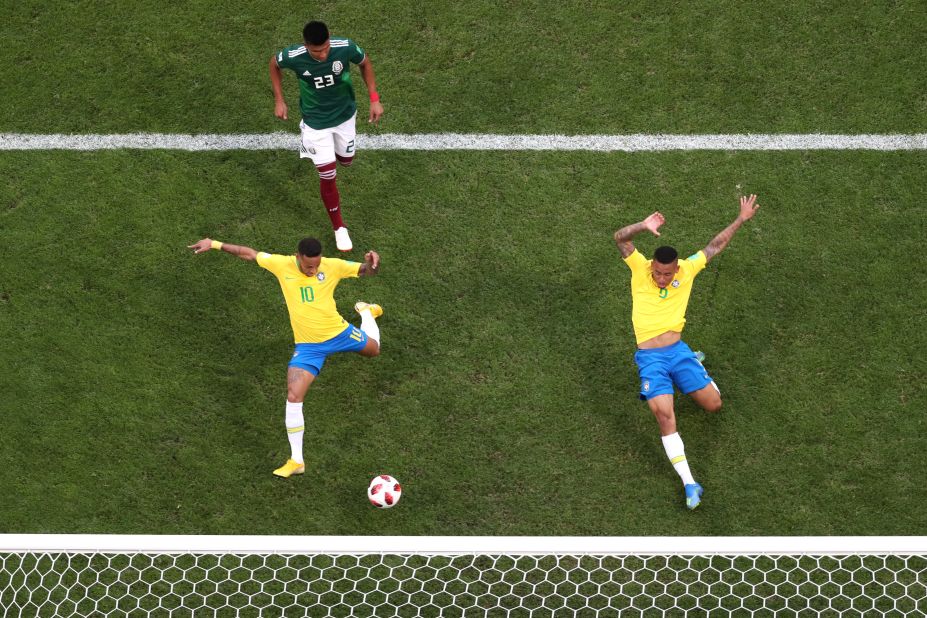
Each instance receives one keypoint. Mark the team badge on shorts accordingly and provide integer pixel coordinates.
(337, 67)
(320, 276)
(646, 385)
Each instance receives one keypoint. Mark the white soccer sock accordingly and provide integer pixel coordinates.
(676, 452)
(295, 426)
(369, 325)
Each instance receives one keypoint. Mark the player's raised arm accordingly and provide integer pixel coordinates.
(376, 108)
(748, 208)
(624, 235)
(204, 245)
(371, 265)
(276, 82)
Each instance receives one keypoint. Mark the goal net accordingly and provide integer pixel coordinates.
(115, 575)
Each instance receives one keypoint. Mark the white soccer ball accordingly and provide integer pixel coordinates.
(384, 491)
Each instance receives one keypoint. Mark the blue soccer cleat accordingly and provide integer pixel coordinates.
(694, 493)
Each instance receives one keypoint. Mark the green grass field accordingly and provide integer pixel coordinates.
(143, 388)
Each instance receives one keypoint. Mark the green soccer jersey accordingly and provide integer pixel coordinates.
(326, 97)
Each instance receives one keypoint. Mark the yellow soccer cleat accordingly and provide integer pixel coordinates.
(375, 310)
(289, 469)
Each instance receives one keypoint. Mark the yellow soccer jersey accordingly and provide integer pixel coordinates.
(310, 300)
(656, 311)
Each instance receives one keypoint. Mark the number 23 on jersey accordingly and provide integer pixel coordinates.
(323, 81)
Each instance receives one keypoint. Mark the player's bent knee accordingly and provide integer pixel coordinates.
(708, 398)
(710, 404)
(296, 393)
(371, 349)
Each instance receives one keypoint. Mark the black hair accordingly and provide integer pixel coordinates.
(665, 255)
(310, 247)
(315, 33)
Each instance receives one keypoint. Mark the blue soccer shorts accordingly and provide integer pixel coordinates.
(311, 356)
(661, 368)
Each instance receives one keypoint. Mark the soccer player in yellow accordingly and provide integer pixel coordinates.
(308, 283)
(660, 289)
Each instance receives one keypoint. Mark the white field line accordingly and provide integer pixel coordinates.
(470, 141)
(457, 545)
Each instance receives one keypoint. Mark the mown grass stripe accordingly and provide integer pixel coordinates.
(471, 141)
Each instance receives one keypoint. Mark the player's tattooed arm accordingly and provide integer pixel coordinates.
(205, 244)
(624, 235)
(245, 253)
(371, 265)
(748, 207)
(720, 241)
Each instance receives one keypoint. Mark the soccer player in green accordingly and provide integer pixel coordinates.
(660, 289)
(326, 101)
(308, 283)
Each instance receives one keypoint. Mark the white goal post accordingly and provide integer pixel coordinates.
(150, 575)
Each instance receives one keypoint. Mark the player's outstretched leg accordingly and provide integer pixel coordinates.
(298, 381)
(662, 408)
(295, 427)
(369, 312)
(676, 452)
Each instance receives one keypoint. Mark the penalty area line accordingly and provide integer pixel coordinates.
(471, 141)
